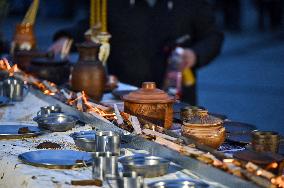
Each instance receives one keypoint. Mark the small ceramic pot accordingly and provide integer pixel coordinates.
(151, 104)
(204, 128)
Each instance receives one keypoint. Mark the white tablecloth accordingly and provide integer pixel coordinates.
(15, 174)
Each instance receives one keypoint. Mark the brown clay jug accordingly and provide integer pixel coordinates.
(24, 37)
(89, 74)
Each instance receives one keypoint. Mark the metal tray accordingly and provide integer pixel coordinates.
(57, 159)
(178, 183)
(10, 131)
(145, 165)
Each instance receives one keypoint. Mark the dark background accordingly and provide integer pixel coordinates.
(246, 82)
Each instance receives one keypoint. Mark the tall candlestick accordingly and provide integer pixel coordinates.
(92, 14)
(98, 12)
(104, 16)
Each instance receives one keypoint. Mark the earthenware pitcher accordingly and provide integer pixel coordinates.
(89, 74)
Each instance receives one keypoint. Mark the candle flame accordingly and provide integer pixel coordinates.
(228, 160)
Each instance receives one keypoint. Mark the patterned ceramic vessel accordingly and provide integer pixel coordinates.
(206, 129)
(151, 104)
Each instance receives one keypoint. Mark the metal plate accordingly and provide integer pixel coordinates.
(238, 131)
(240, 138)
(57, 159)
(11, 131)
(4, 101)
(233, 127)
(178, 183)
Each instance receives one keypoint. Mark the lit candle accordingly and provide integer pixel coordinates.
(104, 16)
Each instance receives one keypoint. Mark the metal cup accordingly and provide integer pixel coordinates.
(1, 89)
(107, 141)
(130, 180)
(14, 89)
(265, 141)
(49, 109)
(104, 165)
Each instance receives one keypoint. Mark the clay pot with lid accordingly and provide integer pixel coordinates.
(150, 104)
(204, 128)
(88, 73)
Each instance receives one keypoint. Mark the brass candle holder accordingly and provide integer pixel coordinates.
(98, 28)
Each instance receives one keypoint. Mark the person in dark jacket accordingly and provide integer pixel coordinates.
(142, 29)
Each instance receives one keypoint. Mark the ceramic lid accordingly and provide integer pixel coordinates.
(201, 117)
(148, 94)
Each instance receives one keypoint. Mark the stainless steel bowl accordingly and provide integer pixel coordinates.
(57, 122)
(178, 183)
(85, 140)
(145, 165)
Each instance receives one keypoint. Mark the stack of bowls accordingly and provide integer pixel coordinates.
(265, 141)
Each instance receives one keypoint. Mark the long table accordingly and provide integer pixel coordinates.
(13, 173)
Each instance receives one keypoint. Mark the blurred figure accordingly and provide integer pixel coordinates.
(274, 10)
(141, 31)
(3, 12)
(231, 11)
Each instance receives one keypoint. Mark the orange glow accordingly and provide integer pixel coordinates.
(4, 64)
(49, 88)
(91, 108)
(279, 181)
(272, 165)
(13, 69)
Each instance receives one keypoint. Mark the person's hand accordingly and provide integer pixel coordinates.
(188, 59)
(57, 46)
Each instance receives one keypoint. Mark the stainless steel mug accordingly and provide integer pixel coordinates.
(129, 180)
(49, 109)
(1, 89)
(14, 88)
(105, 165)
(107, 141)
